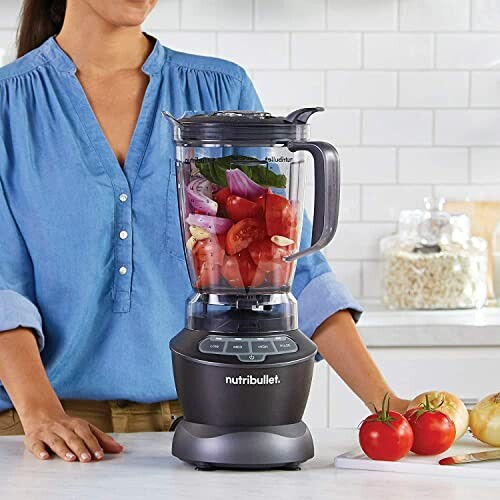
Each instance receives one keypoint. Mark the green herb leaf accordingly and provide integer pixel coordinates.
(214, 169)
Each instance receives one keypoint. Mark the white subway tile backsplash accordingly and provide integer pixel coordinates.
(468, 127)
(467, 51)
(290, 15)
(339, 126)
(326, 50)
(165, 16)
(349, 273)
(371, 272)
(433, 165)
(358, 240)
(362, 15)
(485, 166)
(362, 88)
(434, 15)
(486, 15)
(364, 165)
(399, 51)
(202, 43)
(350, 203)
(290, 88)
(433, 89)
(468, 193)
(383, 203)
(485, 89)
(8, 43)
(398, 127)
(216, 15)
(10, 13)
(248, 49)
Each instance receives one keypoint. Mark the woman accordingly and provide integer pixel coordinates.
(92, 273)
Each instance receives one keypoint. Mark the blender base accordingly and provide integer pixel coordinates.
(270, 447)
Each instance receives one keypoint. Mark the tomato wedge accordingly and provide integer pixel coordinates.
(239, 208)
(281, 217)
(221, 196)
(240, 271)
(244, 232)
(266, 255)
(281, 274)
(210, 250)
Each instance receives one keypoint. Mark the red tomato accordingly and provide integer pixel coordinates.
(280, 216)
(210, 250)
(240, 208)
(386, 435)
(261, 201)
(280, 275)
(267, 255)
(240, 271)
(221, 196)
(208, 274)
(244, 232)
(434, 431)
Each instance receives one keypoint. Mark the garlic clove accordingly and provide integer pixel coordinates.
(198, 233)
(281, 241)
(191, 242)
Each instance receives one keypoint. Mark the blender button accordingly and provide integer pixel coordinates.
(237, 348)
(262, 347)
(123, 197)
(252, 358)
(286, 346)
(210, 346)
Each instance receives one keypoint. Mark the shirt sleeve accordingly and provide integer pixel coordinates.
(319, 293)
(17, 307)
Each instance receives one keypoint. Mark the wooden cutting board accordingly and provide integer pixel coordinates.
(484, 216)
(414, 464)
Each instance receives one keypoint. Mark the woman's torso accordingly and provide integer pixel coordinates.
(109, 275)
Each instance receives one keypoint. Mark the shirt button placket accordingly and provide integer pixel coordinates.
(123, 252)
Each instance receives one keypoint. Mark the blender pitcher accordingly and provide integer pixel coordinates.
(241, 178)
(242, 367)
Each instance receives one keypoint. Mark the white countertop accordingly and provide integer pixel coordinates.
(382, 327)
(147, 470)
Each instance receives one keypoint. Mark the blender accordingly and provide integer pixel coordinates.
(242, 367)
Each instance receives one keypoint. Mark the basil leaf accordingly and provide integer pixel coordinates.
(214, 169)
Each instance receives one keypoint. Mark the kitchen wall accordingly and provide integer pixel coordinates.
(412, 89)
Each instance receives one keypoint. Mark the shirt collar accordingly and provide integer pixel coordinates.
(62, 62)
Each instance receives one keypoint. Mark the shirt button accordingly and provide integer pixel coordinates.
(122, 270)
(123, 197)
(123, 235)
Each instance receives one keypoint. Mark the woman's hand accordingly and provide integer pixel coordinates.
(72, 439)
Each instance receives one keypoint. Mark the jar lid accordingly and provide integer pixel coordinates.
(243, 126)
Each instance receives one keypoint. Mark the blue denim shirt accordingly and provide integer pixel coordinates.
(64, 199)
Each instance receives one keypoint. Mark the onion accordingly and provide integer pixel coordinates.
(240, 184)
(452, 406)
(217, 225)
(199, 192)
(485, 420)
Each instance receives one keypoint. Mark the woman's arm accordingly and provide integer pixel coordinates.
(340, 344)
(45, 423)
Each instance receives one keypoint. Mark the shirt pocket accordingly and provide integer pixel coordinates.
(174, 243)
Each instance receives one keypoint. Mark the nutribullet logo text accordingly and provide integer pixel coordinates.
(251, 380)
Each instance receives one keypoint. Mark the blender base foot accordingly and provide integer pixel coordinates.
(210, 447)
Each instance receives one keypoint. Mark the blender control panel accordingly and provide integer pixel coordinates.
(248, 349)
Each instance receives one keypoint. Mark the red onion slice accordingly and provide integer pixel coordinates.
(217, 225)
(240, 184)
(199, 192)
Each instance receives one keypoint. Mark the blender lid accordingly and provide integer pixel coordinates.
(228, 126)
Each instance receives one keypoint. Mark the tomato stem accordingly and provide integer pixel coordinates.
(383, 415)
(427, 407)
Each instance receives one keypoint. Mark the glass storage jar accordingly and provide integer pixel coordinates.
(433, 262)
